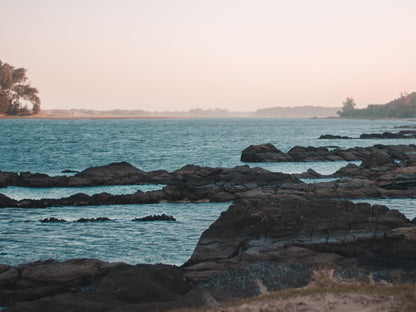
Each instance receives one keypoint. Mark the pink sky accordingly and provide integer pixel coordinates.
(233, 54)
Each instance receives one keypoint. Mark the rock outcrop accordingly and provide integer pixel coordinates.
(310, 153)
(310, 232)
(121, 173)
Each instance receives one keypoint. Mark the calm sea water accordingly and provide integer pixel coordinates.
(50, 146)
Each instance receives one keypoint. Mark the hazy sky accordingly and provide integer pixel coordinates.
(233, 54)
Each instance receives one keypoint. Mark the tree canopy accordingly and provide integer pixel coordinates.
(402, 107)
(16, 92)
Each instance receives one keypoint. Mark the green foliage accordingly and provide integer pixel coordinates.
(402, 107)
(16, 92)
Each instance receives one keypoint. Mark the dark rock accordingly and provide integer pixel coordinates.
(8, 178)
(161, 217)
(302, 231)
(99, 219)
(378, 159)
(117, 174)
(255, 279)
(264, 152)
(334, 137)
(405, 134)
(399, 185)
(145, 283)
(309, 174)
(52, 220)
(69, 171)
(196, 183)
(39, 279)
(7, 202)
(310, 153)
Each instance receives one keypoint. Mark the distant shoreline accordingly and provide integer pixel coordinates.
(80, 117)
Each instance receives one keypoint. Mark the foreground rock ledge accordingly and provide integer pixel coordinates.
(255, 245)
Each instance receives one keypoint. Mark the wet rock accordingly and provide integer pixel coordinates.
(161, 217)
(334, 137)
(99, 219)
(52, 220)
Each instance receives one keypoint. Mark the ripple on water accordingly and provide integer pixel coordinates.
(18, 193)
(119, 239)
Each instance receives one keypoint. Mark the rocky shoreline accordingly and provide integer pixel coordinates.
(275, 234)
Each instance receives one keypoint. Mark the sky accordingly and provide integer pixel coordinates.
(238, 55)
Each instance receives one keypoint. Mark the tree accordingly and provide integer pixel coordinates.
(348, 108)
(348, 104)
(16, 92)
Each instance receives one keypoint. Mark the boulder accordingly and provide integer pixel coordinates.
(292, 230)
(263, 153)
(47, 278)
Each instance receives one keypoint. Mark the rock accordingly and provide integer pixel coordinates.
(262, 153)
(405, 134)
(121, 173)
(310, 153)
(196, 183)
(69, 171)
(252, 280)
(48, 278)
(333, 137)
(113, 174)
(145, 283)
(378, 159)
(161, 217)
(7, 178)
(287, 230)
(7, 202)
(118, 287)
(99, 219)
(52, 220)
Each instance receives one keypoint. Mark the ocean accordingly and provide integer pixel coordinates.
(51, 146)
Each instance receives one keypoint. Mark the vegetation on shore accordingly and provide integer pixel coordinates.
(16, 92)
(402, 107)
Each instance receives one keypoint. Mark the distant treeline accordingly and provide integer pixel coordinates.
(402, 107)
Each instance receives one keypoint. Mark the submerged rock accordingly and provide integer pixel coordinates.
(161, 217)
(52, 220)
(99, 219)
(334, 137)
